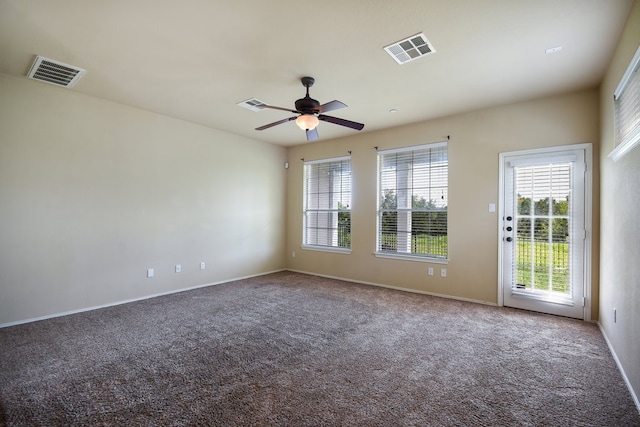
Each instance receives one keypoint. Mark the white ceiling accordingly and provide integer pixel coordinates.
(196, 59)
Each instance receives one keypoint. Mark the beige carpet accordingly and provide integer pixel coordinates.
(288, 349)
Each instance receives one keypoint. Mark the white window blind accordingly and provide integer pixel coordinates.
(413, 201)
(543, 229)
(627, 109)
(327, 203)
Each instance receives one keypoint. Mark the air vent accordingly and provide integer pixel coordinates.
(251, 104)
(411, 48)
(55, 72)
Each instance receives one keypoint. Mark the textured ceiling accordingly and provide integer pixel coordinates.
(196, 59)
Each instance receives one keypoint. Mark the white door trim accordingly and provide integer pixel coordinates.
(588, 202)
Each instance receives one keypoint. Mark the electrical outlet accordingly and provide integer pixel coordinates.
(202, 265)
(150, 272)
(430, 271)
(293, 254)
(178, 268)
(443, 272)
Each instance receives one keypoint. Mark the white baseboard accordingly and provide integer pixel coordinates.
(634, 396)
(397, 288)
(97, 307)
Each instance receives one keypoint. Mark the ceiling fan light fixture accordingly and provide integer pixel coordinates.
(307, 122)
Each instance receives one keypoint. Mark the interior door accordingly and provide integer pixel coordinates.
(543, 231)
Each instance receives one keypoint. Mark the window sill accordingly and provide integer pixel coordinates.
(416, 258)
(344, 251)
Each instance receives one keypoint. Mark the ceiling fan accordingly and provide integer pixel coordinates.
(310, 112)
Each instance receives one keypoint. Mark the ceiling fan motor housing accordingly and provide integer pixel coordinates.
(307, 105)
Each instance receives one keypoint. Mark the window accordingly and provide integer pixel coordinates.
(412, 201)
(627, 109)
(327, 204)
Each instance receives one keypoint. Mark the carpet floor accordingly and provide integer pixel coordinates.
(289, 349)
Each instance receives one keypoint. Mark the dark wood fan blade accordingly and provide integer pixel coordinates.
(279, 122)
(330, 106)
(312, 135)
(262, 106)
(341, 122)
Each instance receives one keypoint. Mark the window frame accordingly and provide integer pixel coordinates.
(327, 210)
(431, 258)
(630, 81)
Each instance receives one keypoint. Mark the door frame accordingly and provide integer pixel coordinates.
(588, 224)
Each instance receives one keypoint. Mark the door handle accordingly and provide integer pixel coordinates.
(509, 239)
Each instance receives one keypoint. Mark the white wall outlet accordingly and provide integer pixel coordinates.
(178, 268)
(149, 272)
(293, 254)
(430, 271)
(492, 207)
(443, 272)
(202, 265)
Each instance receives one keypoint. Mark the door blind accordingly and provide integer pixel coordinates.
(542, 250)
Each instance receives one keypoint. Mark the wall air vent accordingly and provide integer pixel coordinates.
(55, 72)
(251, 104)
(411, 48)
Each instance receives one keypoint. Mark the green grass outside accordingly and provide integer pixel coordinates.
(421, 244)
(533, 269)
(536, 278)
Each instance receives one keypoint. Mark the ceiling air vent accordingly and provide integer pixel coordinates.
(55, 72)
(251, 104)
(411, 48)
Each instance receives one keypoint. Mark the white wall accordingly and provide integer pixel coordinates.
(93, 193)
(620, 224)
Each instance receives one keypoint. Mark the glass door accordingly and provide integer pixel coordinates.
(543, 232)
